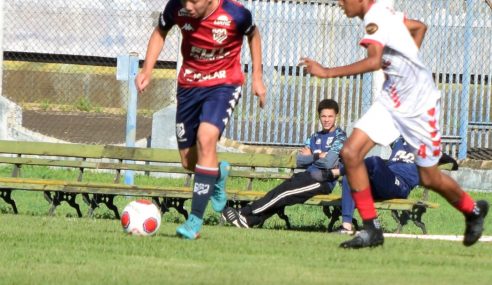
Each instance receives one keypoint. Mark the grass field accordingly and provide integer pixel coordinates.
(62, 249)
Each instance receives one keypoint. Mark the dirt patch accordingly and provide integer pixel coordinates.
(84, 127)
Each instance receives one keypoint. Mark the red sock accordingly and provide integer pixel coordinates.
(465, 204)
(365, 204)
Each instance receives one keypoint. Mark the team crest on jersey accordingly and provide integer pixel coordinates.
(219, 35)
(329, 141)
(222, 20)
(371, 28)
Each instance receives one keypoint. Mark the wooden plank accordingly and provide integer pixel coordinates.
(137, 154)
(132, 166)
(51, 149)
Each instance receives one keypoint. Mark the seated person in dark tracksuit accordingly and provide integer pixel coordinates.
(390, 179)
(320, 154)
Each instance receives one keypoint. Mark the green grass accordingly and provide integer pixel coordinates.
(62, 249)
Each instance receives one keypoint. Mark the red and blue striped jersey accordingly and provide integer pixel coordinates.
(211, 46)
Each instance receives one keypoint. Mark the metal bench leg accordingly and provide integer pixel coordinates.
(416, 216)
(71, 201)
(176, 203)
(333, 215)
(401, 218)
(283, 216)
(5, 194)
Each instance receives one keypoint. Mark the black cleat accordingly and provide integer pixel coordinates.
(474, 223)
(234, 217)
(370, 236)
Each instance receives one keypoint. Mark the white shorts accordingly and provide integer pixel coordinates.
(421, 132)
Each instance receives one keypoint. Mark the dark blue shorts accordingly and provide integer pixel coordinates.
(213, 105)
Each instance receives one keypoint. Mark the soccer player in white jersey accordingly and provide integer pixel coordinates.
(409, 105)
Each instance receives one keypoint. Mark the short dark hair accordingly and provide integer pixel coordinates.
(328, 104)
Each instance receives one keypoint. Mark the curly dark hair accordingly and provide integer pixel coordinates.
(328, 104)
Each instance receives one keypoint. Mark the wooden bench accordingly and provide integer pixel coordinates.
(247, 167)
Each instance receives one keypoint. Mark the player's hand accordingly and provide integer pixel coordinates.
(260, 91)
(142, 81)
(305, 151)
(312, 67)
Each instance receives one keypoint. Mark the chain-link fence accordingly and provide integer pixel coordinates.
(60, 64)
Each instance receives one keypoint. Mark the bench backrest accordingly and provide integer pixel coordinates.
(120, 158)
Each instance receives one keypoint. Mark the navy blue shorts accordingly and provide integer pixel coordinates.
(213, 105)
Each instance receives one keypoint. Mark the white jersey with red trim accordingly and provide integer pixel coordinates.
(408, 89)
(211, 47)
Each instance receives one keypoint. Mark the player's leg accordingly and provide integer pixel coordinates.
(296, 190)
(217, 110)
(474, 212)
(422, 132)
(193, 136)
(348, 206)
(376, 126)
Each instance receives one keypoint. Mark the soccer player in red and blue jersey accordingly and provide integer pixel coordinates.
(408, 104)
(209, 87)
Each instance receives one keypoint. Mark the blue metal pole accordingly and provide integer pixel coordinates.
(465, 84)
(131, 116)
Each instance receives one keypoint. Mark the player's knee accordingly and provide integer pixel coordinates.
(349, 155)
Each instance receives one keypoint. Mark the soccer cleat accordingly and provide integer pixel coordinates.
(474, 223)
(219, 198)
(190, 229)
(234, 217)
(370, 236)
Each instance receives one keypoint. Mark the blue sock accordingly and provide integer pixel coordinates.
(203, 188)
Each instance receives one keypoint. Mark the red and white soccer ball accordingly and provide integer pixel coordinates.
(141, 217)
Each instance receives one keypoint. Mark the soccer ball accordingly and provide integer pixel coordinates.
(141, 218)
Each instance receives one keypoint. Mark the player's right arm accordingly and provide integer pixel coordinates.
(371, 63)
(417, 30)
(156, 43)
(154, 47)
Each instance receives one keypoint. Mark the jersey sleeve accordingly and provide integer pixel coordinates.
(166, 19)
(245, 25)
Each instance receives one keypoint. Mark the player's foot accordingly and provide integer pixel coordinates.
(219, 198)
(344, 231)
(234, 217)
(474, 223)
(191, 228)
(370, 236)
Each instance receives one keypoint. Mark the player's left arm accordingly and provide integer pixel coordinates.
(254, 42)
(417, 30)
(371, 63)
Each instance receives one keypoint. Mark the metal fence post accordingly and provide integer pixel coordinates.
(127, 69)
(465, 84)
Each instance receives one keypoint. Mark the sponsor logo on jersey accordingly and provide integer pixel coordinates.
(201, 188)
(219, 35)
(196, 76)
(222, 20)
(187, 27)
(371, 28)
(183, 13)
(208, 54)
(318, 141)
